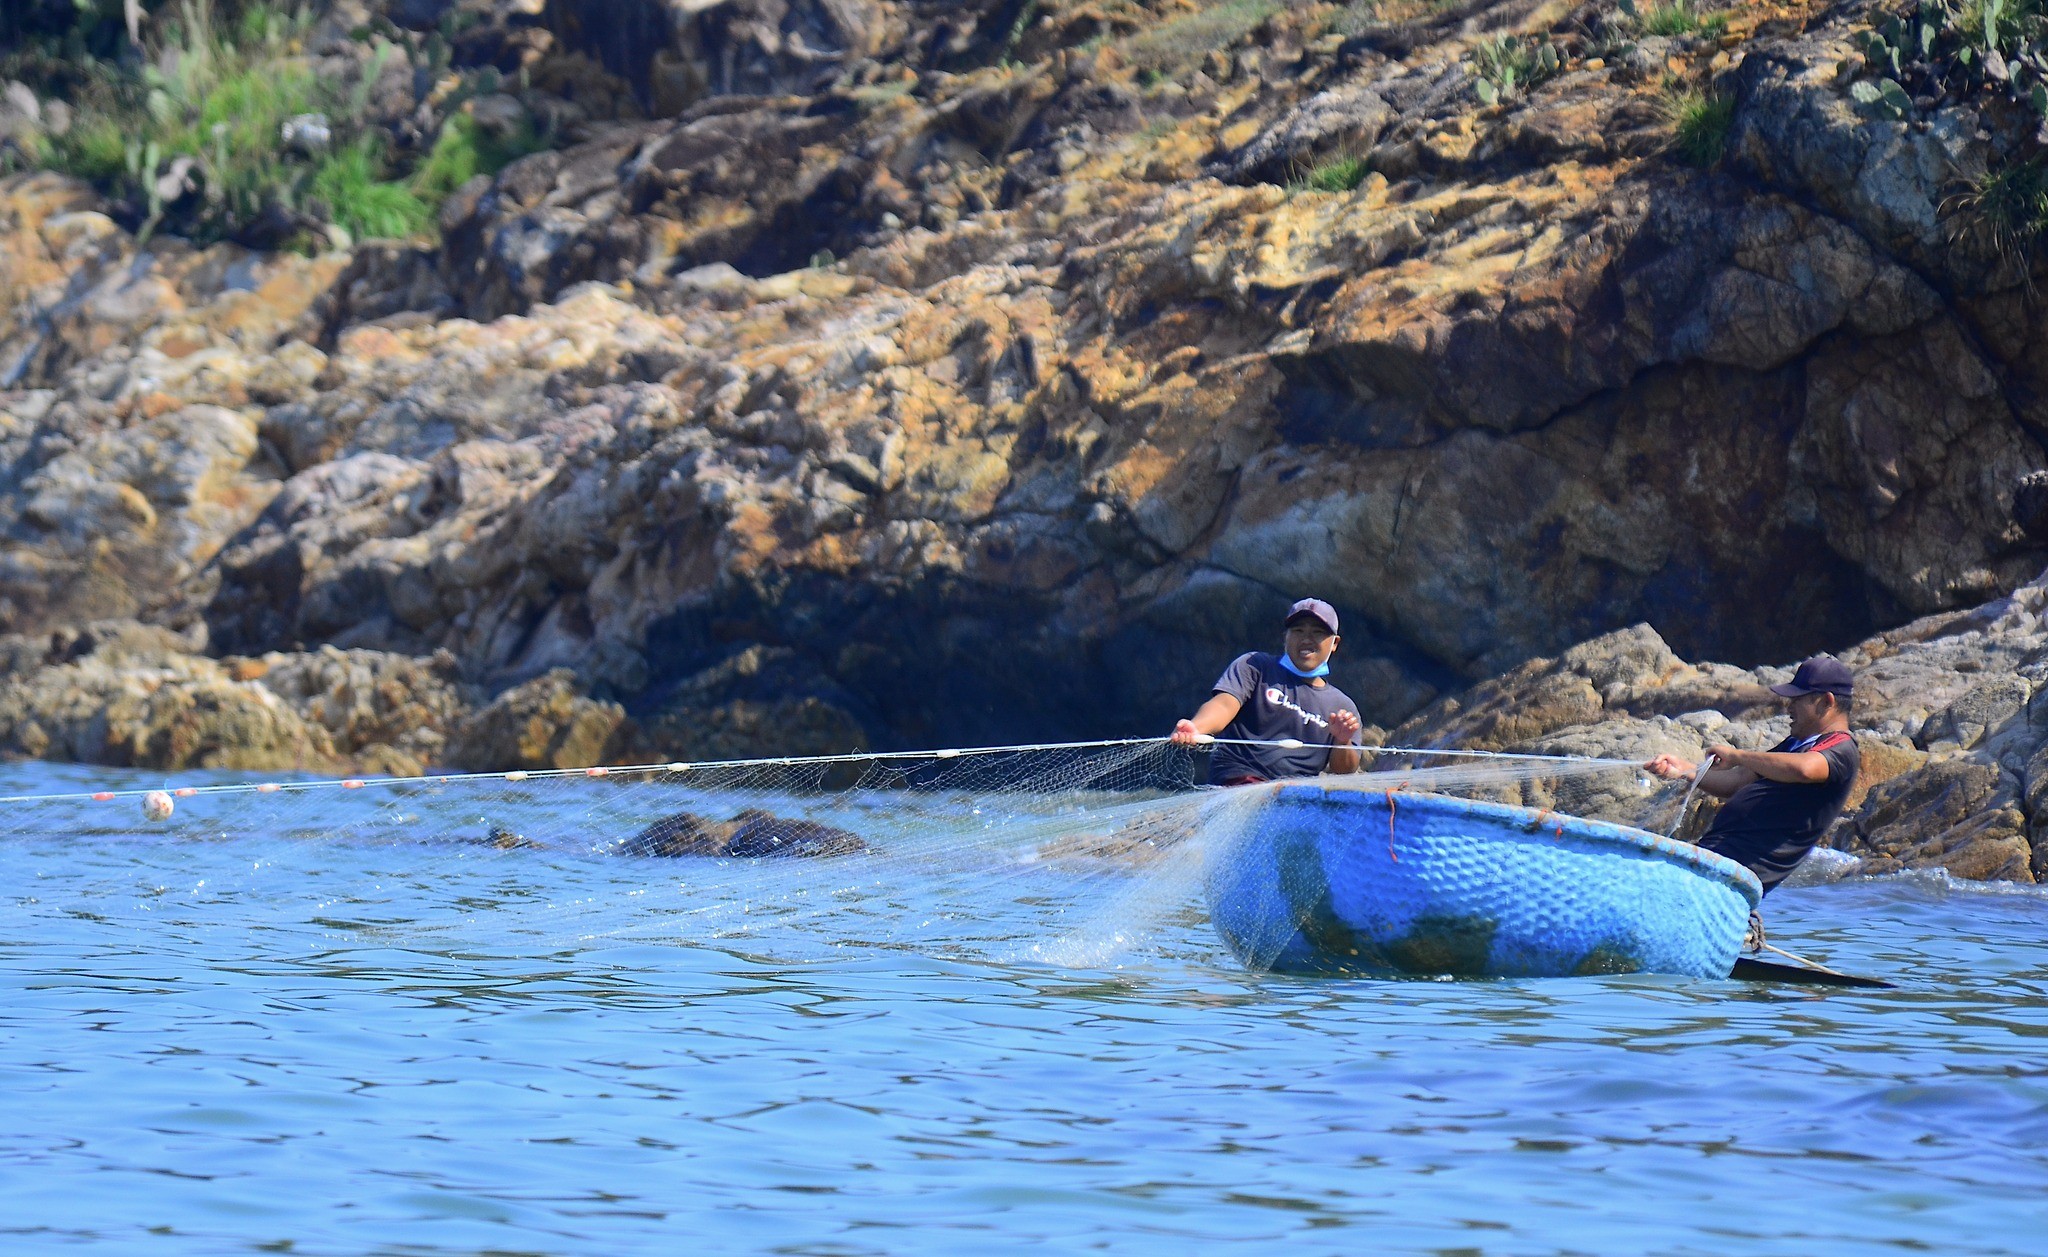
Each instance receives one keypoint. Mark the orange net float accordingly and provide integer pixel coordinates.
(185, 792)
(352, 784)
(101, 796)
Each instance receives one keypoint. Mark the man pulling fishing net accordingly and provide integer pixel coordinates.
(1780, 801)
(1286, 697)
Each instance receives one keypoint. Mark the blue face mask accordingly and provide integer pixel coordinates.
(1322, 669)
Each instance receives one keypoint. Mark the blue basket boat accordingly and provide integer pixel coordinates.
(1391, 884)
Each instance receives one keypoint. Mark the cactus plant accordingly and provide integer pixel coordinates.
(1953, 48)
(1507, 64)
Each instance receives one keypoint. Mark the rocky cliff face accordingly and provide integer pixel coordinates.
(908, 372)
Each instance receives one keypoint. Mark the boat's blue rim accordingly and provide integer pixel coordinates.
(1533, 820)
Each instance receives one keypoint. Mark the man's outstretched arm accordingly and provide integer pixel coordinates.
(1720, 781)
(1799, 768)
(1212, 718)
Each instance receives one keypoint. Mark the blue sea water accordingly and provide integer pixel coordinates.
(292, 1038)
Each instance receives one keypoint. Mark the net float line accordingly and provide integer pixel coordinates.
(681, 766)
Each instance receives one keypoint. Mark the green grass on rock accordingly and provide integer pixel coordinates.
(215, 96)
(1338, 174)
(1700, 123)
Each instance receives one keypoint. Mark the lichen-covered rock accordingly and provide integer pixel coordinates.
(1798, 128)
(389, 713)
(546, 723)
(1337, 122)
(130, 695)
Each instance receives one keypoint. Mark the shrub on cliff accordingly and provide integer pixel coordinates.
(1678, 17)
(2004, 213)
(219, 125)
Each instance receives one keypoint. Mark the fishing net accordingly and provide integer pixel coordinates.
(1069, 855)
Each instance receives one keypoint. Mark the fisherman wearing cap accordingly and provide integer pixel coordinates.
(1273, 698)
(1782, 800)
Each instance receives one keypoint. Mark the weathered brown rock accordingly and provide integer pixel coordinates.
(1338, 122)
(1949, 814)
(1878, 762)
(391, 714)
(545, 723)
(1799, 128)
(129, 695)
(752, 705)
(121, 693)
(677, 52)
(2030, 505)
(1544, 695)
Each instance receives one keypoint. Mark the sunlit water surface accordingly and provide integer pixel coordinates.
(284, 1042)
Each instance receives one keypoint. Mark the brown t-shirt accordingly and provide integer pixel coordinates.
(1769, 826)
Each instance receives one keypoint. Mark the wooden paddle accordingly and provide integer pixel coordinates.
(1748, 970)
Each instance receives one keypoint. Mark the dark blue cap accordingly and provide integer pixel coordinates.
(1314, 607)
(1818, 675)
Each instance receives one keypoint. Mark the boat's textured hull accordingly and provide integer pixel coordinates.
(1324, 880)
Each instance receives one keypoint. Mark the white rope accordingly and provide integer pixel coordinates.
(539, 774)
(1515, 755)
(677, 766)
(1814, 965)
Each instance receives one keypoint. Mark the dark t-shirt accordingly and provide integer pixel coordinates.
(1277, 705)
(1769, 826)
